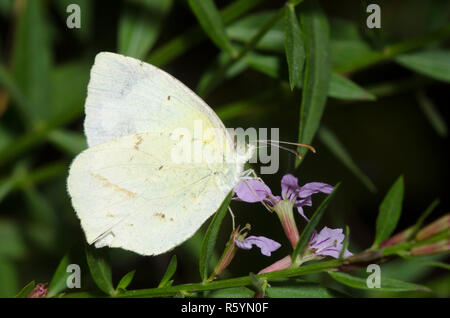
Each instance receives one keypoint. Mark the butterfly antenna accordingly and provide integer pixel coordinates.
(289, 143)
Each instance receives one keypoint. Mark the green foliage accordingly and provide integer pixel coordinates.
(100, 269)
(165, 281)
(125, 281)
(387, 284)
(139, 26)
(317, 74)
(26, 290)
(433, 63)
(389, 212)
(293, 43)
(209, 18)
(210, 238)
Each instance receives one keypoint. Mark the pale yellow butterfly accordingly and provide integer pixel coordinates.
(126, 188)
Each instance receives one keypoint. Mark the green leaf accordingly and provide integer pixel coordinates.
(209, 18)
(387, 284)
(236, 292)
(433, 115)
(23, 293)
(193, 36)
(100, 269)
(343, 88)
(169, 272)
(301, 290)
(346, 42)
(433, 63)
(276, 67)
(422, 218)
(293, 43)
(317, 72)
(31, 60)
(334, 145)
(140, 25)
(209, 241)
(310, 227)
(13, 246)
(9, 278)
(427, 262)
(126, 281)
(247, 27)
(68, 83)
(68, 141)
(389, 212)
(220, 74)
(8, 184)
(345, 243)
(8, 83)
(59, 279)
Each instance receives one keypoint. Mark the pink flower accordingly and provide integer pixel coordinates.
(39, 291)
(292, 195)
(253, 190)
(328, 243)
(266, 245)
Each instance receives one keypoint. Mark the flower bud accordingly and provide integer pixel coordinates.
(398, 238)
(433, 248)
(39, 291)
(437, 226)
(283, 263)
(284, 210)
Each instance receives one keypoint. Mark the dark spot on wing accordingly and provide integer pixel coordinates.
(160, 215)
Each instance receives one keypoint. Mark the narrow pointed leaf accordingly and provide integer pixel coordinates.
(301, 290)
(389, 212)
(311, 226)
(343, 88)
(169, 272)
(433, 63)
(209, 241)
(345, 243)
(126, 280)
(68, 141)
(23, 293)
(293, 43)
(435, 118)
(387, 284)
(334, 145)
(317, 71)
(247, 27)
(100, 269)
(211, 22)
(422, 218)
(140, 25)
(427, 262)
(59, 279)
(31, 60)
(194, 35)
